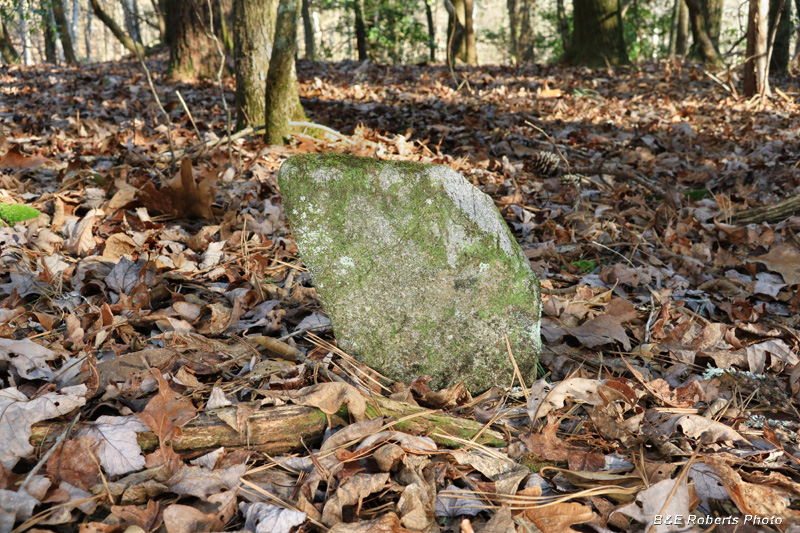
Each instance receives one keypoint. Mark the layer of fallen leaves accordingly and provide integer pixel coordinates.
(152, 295)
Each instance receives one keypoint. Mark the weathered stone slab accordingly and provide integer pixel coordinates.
(415, 267)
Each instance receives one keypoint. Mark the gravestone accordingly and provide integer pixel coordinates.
(416, 269)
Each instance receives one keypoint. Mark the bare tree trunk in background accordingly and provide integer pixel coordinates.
(712, 10)
(48, 22)
(779, 61)
(470, 53)
(63, 32)
(521, 30)
(361, 29)
(679, 29)
(563, 24)
(796, 58)
(708, 52)
(192, 53)
(7, 50)
(526, 33)
(160, 21)
(513, 30)
(222, 23)
(597, 36)
(253, 32)
(87, 35)
(24, 34)
(75, 24)
(756, 80)
(308, 31)
(283, 100)
(130, 14)
(432, 30)
(118, 32)
(455, 30)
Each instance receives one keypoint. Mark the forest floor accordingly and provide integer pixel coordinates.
(157, 366)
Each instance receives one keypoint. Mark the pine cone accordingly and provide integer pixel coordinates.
(544, 164)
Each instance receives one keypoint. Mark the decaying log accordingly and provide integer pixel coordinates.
(284, 429)
(768, 213)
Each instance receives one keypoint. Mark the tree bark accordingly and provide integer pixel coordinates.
(597, 36)
(563, 25)
(470, 53)
(308, 31)
(192, 53)
(432, 30)
(361, 29)
(455, 30)
(756, 79)
(63, 32)
(124, 39)
(283, 100)
(160, 21)
(679, 30)
(7, 49)
(796, 59)
(50, 52)
(779, 61)
(290, 428)
(25, 36)
(712, 11)
(704, 45)
(521, 30)
(253, 33)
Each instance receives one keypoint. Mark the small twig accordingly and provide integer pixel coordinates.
(47, 455)
(158, 103)
(189, 114)
(564, 159)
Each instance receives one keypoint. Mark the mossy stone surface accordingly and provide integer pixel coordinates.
(415, 267)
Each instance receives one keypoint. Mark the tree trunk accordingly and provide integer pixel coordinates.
(712, 11)
(526, 34)
(87, 35)
(63, 32)
(308, 31)
(222, 23)
(75, 24)
(25, 36)
(597, 37)
(192, 52)
(129, 13)
(470, 53)
(779, 61)
(7, 49)
(166, 9)
(283, 100)
(160, 21)
(253, 33)
(513, 30)
(796, 58)
(756, 79)
(708, 52)
(455, 30)
(679, 29)
(563, 25)
(521, 30)
(361, 29)
(124, 39)
(50, 52)
(432, 30)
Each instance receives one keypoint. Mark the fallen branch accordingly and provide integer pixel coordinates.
(283, 429)
(768, 213)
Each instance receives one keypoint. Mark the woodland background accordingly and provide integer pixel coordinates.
(166, 364)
